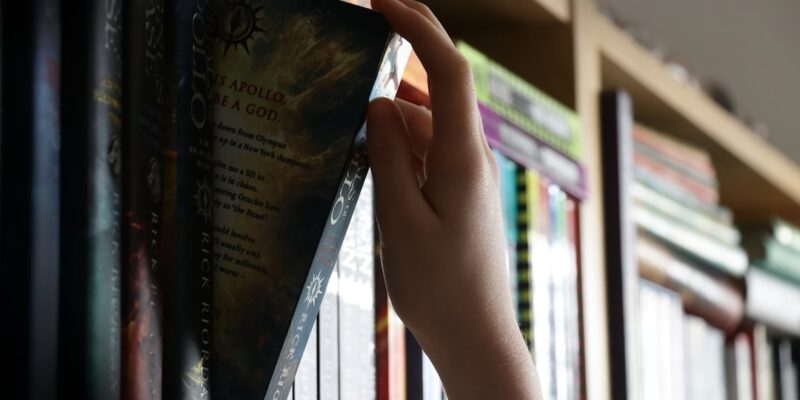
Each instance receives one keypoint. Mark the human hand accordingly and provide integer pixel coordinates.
(438, 210)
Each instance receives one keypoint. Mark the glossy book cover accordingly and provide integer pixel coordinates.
(292, 85)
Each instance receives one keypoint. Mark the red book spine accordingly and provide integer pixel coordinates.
(703, 193)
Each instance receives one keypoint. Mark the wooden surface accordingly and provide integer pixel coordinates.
(756, 180)
(586, 72)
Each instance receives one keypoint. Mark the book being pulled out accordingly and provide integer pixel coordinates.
(293, 79)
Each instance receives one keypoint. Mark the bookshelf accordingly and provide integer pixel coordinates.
(572, 52)
(755, 178)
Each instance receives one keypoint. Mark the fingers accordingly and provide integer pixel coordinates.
(400, 206)
(420, 126)
(456, 124)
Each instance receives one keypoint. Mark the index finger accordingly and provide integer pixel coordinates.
(455, 116)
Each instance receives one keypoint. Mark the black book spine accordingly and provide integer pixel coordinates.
(29, 251)
(89, 363)
(188, 288)
(145, 98)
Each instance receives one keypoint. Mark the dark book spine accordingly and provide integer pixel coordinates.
(188, 283)
(31, 187)
(143, 137)
(89, 366)
(322, 265)
(328, 332)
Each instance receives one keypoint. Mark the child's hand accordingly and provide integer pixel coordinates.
(438, 209)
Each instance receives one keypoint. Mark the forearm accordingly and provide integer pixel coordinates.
(483, 359)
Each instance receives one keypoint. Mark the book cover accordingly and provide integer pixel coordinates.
(89, 366)
(188, 210)
(523, 104)
(31, 188)
(357, 302)
(145, 109)
(293, 80)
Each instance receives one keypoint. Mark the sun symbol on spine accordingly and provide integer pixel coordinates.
(237, 22)
(314, 290)
(202, 198)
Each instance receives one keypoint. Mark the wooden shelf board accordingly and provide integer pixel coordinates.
(756, 180)
(476, 13)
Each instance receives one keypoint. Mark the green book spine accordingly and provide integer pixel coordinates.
(523, 104)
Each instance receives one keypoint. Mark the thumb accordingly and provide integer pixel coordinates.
(398, 199)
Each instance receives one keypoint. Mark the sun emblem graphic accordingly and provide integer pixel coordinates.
(202, 198)
(314, 290)
(237, 23)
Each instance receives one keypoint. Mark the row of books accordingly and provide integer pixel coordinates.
(684, 357)
(178, 185)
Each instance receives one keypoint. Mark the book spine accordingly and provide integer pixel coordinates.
(728, 259)
(508, 198)
(328, 332)
(781, 259)
(31, 189)
(674, 150)
(321, 267)
(525, 210)
(523, 104)
(543, 264)
(356, 304)
(390, 344)
(91, 165)
(143, 194)
(305, 382)
(189, 184)
(702, 178)
(702, 193)
(712, 297)
(690, 217)
(533, 153)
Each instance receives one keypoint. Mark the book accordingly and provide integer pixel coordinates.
(328, 340)
(767, 299)
(305, 385)
(507, 171)
(771, 254)
(145, 108)
(700, 177)
(715, 298)
(533, 153)
(357, 302)
(655, 182)
(763, 367)
(188, 215)
(786, 368)
(527, 191)
(31, 189)
(728, 259)
(739, 368)
(674, 179)
(524, 105)
(680, 153)
(690, 217)
(91, 163)
(293, 81)
(390, 341)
